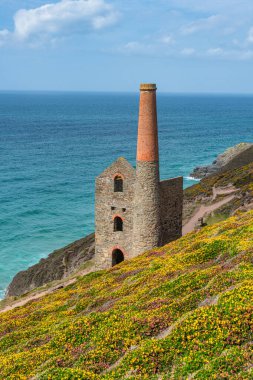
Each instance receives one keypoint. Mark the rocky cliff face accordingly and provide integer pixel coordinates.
(232, 158)
(59, 264)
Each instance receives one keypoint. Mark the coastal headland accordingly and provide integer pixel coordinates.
(213, 199)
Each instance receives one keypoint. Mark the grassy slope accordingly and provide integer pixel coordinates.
(200, 193)
(242, 178)
(201, 285)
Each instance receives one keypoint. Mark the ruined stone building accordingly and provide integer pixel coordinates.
(135, 211)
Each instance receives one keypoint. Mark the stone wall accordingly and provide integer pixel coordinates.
(151, 211)
(171, 209)
(146, 207)
(110, 204)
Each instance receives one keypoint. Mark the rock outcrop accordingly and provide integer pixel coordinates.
(232, 158)
(58, 265)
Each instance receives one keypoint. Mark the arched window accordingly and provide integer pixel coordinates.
(117, 257)
(118, 184)
(118, 224)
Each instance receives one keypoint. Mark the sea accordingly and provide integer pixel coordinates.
(53, 145)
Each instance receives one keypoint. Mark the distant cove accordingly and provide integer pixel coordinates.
(52, 145)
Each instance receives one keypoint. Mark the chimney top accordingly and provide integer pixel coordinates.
(147, 146)
(147, 87)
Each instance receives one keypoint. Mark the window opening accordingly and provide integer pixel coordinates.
(118, 184)
(118, 224)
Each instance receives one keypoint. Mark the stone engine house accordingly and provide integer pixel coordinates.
(135, 211)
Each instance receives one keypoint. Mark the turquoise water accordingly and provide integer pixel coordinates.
(53, 145)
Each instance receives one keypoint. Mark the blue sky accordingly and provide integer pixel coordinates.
(113, 45)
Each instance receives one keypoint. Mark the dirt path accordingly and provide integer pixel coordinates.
(223, 191)
(204, 210)
(36, 296)
(42, 293)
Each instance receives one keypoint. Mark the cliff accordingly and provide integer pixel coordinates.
(58, 265)
(232, 158)
(183, 311)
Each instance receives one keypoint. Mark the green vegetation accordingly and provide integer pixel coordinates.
(241, 178)
(215, 218)
(202, 192)
(183, 311)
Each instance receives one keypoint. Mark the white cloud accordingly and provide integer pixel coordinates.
(201, 24)
(4, 32)
(63, 17)
(135, 47)
(150, 45)
(188, 52)
(167, 39)
(234, 54)
(250, 36)
(225, 6)
(245, 55)
(215, 52)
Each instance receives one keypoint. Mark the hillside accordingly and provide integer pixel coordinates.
(183, 311)
(74, 258)
(241, 180)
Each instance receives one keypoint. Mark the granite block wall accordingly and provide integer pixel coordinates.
(151, 211)
(146, 207)
(110, 204)
(171, 209)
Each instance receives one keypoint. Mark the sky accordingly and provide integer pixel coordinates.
(185, 46)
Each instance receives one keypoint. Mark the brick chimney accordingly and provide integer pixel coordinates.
(146, 217)
(147, 147)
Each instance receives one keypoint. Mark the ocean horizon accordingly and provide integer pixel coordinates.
(90, 92)
(53, 144)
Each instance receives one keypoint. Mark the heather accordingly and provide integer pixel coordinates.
(183, 311)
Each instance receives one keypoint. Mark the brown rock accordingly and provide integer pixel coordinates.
(232, 158)
(59, 264)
